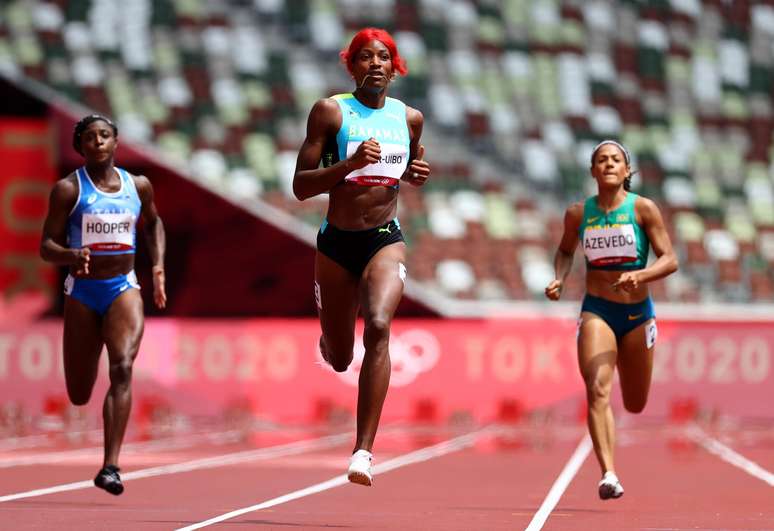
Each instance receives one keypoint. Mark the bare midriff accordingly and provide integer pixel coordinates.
(357, 207)
(599, 283)
(107, 266)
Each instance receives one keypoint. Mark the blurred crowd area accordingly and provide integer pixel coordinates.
(515, 94)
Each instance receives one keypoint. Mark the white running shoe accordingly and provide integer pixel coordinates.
(360, 468)
(610, 487)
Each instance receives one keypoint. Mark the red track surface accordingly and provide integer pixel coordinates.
(499, 483)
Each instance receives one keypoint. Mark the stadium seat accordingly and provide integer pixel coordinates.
(515, 94)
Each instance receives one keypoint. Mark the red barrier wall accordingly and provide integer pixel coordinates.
(481, 368)
(27, 154)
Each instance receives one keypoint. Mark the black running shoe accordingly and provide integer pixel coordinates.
(109, 480)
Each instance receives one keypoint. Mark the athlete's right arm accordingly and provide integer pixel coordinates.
(566, 250)
(324, 122)
(53, 243)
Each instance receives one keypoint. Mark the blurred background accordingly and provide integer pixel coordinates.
(211, 100)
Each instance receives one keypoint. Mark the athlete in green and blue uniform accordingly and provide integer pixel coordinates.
(617, 326)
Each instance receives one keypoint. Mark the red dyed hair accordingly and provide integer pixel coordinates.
(366, 35)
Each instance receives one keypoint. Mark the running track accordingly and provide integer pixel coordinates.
(477, 478)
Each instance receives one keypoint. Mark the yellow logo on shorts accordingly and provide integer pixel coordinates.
(635, 317)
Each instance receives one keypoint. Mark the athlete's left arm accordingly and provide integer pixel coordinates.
(666, 261)
(154, 236)
(418, 169)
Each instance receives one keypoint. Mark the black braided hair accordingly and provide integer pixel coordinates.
(627, 184)
(84, 122)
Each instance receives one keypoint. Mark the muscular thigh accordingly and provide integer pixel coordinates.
(336, 292)
(635, 357)
(123, 325)
(383, 280)
(597, 349)
(82, 344)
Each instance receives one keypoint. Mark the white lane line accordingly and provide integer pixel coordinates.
(729, 455)
(562, 482)
(418, 456)
(171, 443)
(260, 454)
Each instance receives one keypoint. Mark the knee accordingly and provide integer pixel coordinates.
(341, 364)
(79, 397)
(338, 356)
(377, 330)
(635, 405)
(121, 371)
(597, 391)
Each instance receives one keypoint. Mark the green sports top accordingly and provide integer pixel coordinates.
(613, 240)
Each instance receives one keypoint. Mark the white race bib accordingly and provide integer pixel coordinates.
(651, 334)
(108, 232)
(610, 245)
(387, 171)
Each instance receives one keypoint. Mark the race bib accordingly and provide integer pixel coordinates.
(651, 334)
(386, 172)
(610, 245)
(108, 232)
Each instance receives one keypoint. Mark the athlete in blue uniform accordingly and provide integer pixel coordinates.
(367, 144)
(617, 326)
(91, 227)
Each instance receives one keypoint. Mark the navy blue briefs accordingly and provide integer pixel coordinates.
(622, 318)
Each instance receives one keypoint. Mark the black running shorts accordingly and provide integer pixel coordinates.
(353, 249)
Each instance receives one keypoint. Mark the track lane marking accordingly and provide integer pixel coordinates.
(417, 456)
(729, 455)
(259, 454)
(175, 442)
(562, 482)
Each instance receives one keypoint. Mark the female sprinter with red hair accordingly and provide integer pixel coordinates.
(367, 143)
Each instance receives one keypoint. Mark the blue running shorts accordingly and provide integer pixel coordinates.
(99, 294)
